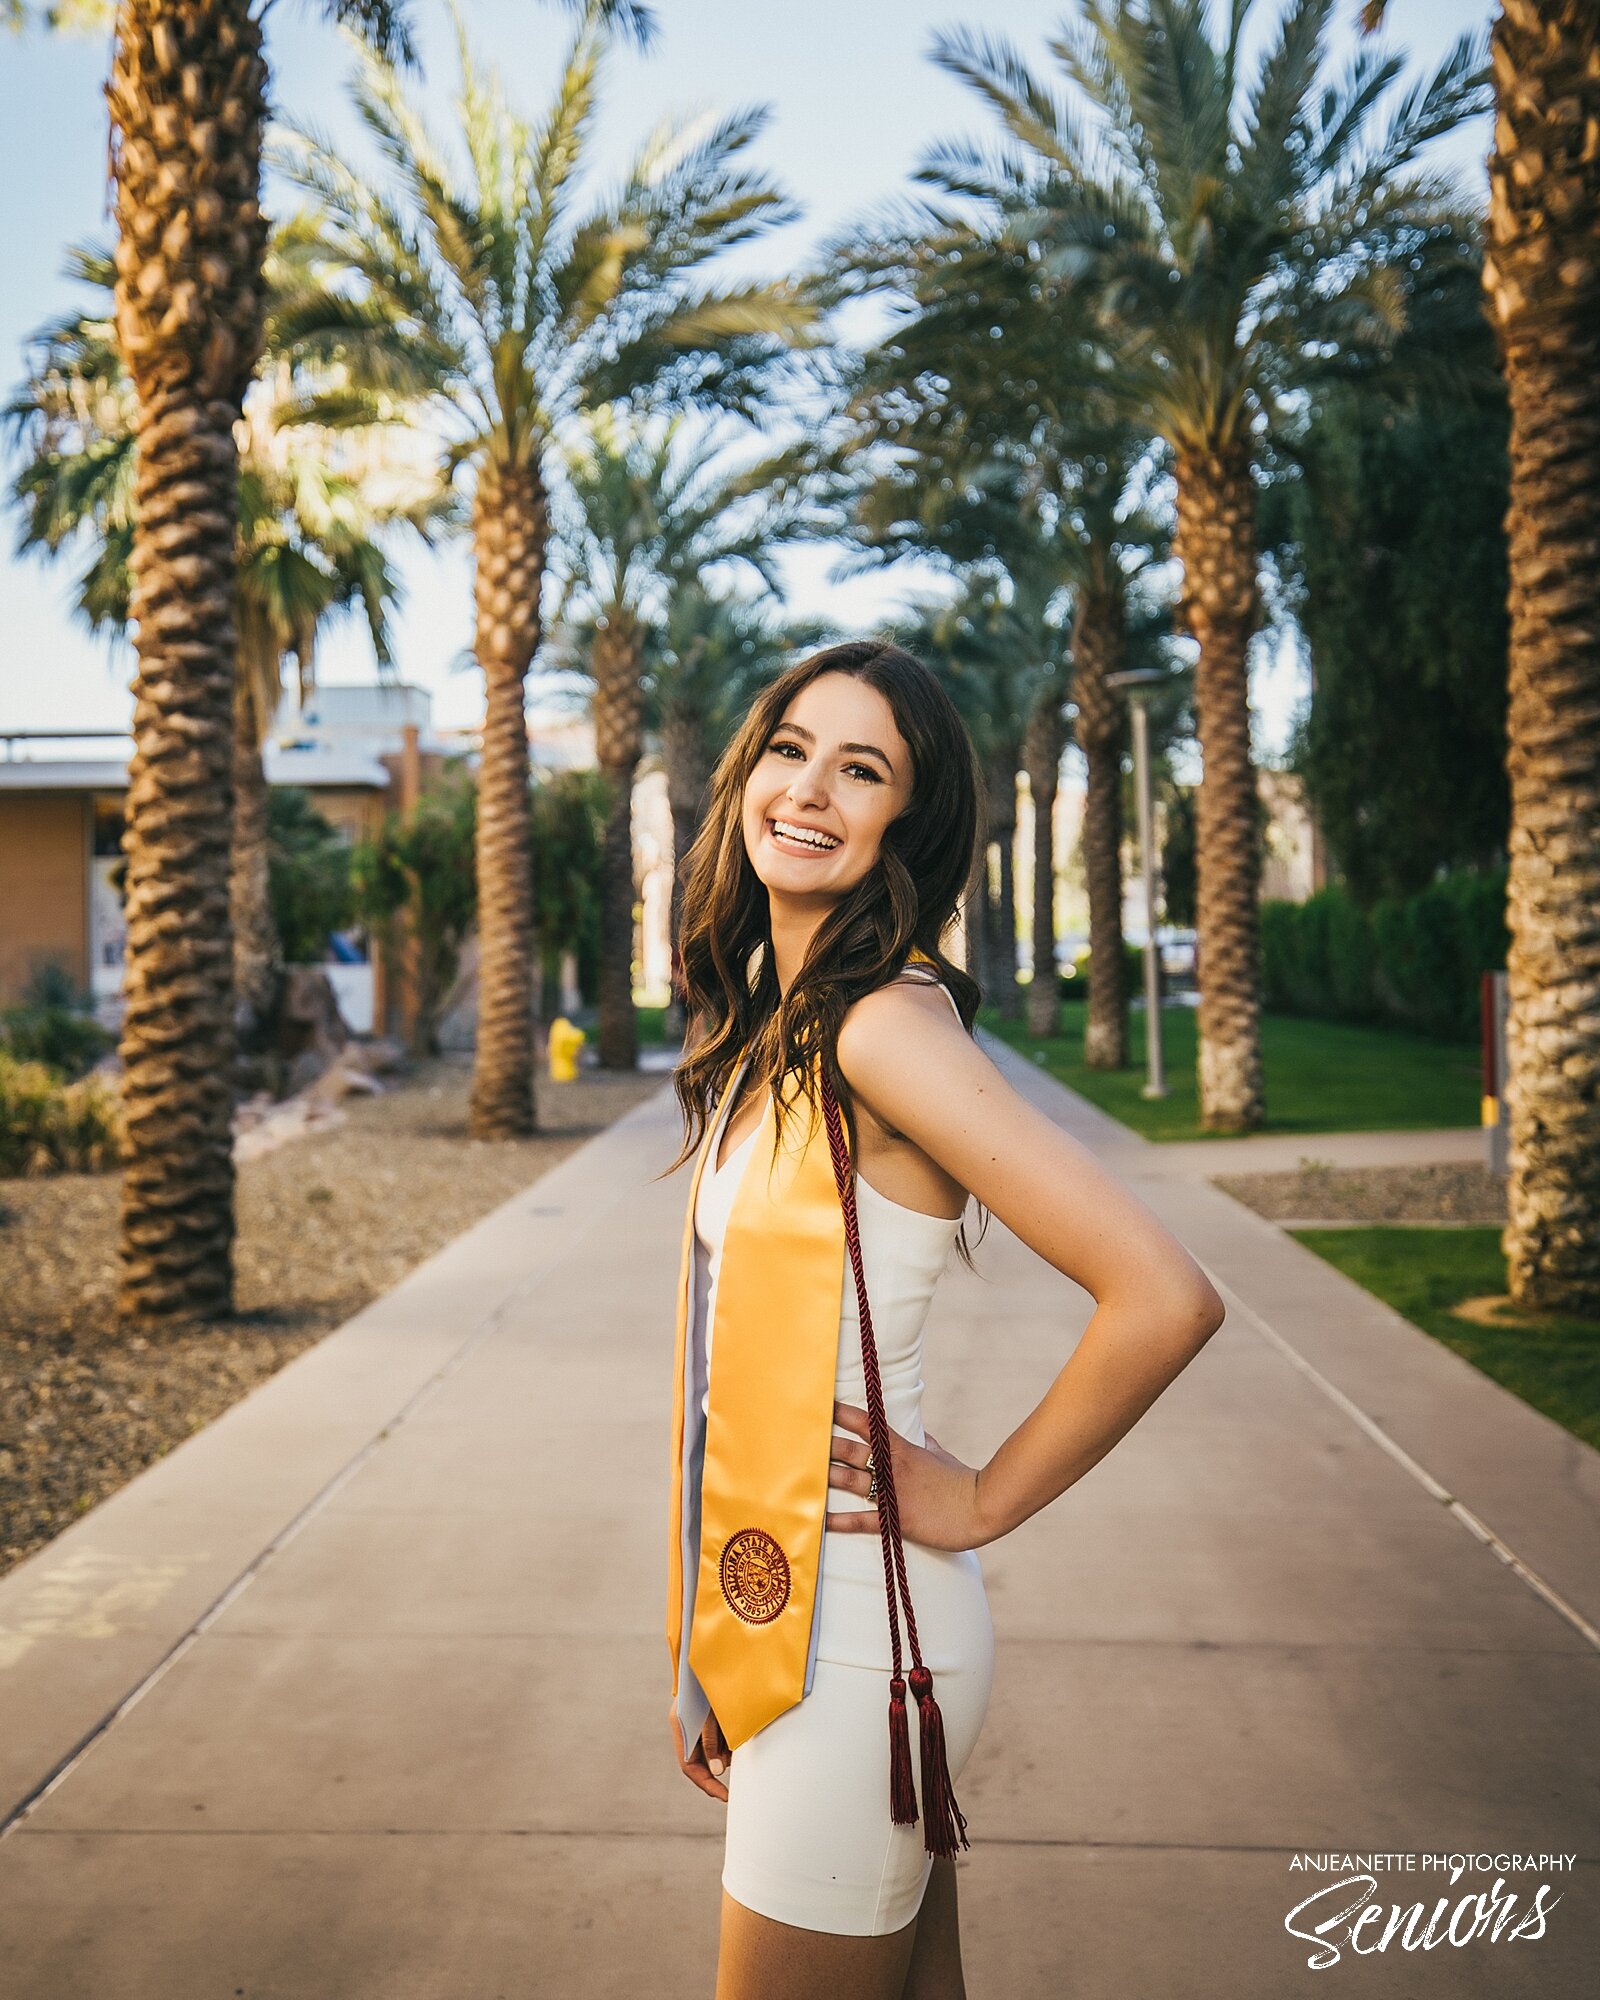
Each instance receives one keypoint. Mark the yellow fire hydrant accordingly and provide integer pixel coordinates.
(565, 1042)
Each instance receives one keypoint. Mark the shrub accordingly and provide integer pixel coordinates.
(48, 1127)
(1352, 960)
(1415, 960)
(308, 875)
(425, 864)
(1317, 957)
(53, 1025)
(568, 812)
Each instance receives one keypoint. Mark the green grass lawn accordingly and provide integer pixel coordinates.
(1554, 1364)
(1322, 1076)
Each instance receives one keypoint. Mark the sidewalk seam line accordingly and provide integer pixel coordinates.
(1473, 1523)
(64, 1767)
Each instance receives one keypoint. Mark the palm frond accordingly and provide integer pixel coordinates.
(1032, 115)
(1208, 218)
(1340, 115)
(463, 275)
(309, 504)
(969, 171)
(557, 149)
(635, 19)
(1177, 88)
(1275, 149)
(1088, 59)
(1461, 87)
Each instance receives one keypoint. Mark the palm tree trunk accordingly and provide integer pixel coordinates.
(1544, 293)
(618, 735)
(1041, 757)
(257, 952)
(435, 961)
(187, 104)
(510, 527)
(1098, 646)
(974, 923)
(688, 769)
(1008, 994)
(1216, 544)
(1001, 927)
(683, 755)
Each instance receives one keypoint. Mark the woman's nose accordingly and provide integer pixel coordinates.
(807, 786)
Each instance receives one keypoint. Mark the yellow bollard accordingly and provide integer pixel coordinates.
(565, 1042)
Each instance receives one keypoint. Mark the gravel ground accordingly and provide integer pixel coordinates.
(1460, 1193)
(325, 1224)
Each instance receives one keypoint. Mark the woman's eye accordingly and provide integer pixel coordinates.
(854, 770)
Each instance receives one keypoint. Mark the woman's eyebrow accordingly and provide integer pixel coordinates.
(871, 749)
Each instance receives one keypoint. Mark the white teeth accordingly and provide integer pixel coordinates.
(811, 839)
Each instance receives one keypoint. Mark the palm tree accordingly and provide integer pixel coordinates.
(311, 511)
(1008, 646)
(187, 98)
(1230, 232)
(1099, 647)
(907, 493)
(315, 513)
(654, 509)
(1044, 742)
(1543, 282)
(188, 102)
(1000, 648)
(1543, 291)
(994, 357)
(493, 293)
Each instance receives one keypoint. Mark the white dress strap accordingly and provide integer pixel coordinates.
(922, 978)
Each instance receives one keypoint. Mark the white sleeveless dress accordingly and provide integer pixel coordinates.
(809, 1837)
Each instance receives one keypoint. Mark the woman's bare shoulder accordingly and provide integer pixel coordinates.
(900, 998)
(908, 1058)
(898, 1032)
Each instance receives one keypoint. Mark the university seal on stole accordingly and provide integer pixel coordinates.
(755, 1576)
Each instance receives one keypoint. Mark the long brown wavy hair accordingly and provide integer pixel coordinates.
(907, 900)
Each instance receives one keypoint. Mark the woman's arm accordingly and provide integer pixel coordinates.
(1154, 1307)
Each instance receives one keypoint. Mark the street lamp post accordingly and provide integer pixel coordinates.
(1139, 683)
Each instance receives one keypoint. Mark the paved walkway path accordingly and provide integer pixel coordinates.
(1282, 1152)
(361, 1693)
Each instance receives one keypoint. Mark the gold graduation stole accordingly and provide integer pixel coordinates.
(769, 1425)
(768, 1445)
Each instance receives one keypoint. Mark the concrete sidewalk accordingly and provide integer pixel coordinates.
(1282, 1152)
(361, 1693)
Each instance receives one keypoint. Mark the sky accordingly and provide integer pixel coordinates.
(854, 104)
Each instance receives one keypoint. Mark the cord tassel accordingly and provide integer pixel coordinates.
(902, 1793)
(944, 1823)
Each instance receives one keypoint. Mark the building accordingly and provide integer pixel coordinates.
(359, 751)
(1295, 865)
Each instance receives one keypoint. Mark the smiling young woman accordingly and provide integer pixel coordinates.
(841, 832)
